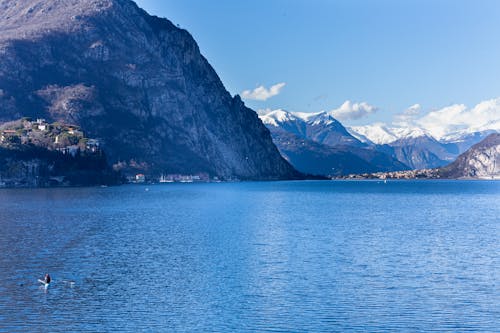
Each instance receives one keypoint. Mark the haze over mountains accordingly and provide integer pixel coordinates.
(134, 81)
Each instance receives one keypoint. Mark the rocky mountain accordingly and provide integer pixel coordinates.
(464, 140)
(134, 81)
(319, 127)
(481, 161)
(315, 158)
(319, 144)
(421, 152)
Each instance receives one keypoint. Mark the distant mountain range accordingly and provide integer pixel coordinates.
(416, 147)
(319, 144)
(481, 161)
(328, 148)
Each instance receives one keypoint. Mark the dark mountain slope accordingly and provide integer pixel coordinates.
(134, 81)
(319, 159)
(317, 143)
(421, 152)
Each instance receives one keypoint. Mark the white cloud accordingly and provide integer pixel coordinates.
(261, 93)
(413, 110)
(447, 123)
(352, 111)
(452, 120)
(407, 117)
(458, 117)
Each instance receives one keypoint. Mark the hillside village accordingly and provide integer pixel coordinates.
(44, 145)
(35, 153)
(67, 139)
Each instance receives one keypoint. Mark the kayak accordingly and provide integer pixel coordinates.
(43, 282)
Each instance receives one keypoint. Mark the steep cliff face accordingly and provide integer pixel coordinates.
(134, 81)
(480, 161)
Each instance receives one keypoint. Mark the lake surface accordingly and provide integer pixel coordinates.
(279, 256)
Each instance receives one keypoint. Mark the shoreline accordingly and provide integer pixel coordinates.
(353, 180)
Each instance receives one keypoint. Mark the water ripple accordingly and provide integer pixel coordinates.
(253, 257)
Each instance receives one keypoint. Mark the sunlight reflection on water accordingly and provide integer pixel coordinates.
(284, 256)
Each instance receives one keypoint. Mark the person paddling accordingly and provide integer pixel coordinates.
(46, 280)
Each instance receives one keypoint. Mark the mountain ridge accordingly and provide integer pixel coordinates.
(136, 82)
(412, 146)
(320, 127)
(317, 143)
(481, 161)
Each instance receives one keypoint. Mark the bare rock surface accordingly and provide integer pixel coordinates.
(135, 81)
(480, 161)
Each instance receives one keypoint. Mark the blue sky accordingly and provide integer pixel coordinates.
(388, 53)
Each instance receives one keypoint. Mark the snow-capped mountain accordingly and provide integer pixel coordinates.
(452, 124)
(422, 148)
(377, 133)
(320, 127)
(382, 134)
(431, 141)
(317, 143)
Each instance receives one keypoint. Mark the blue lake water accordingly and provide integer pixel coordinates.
(241, 257)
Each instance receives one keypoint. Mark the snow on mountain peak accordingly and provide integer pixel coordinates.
(376, 133)
(380, 134)
(449, 124)
(276, 117)
(279, 116)
(324, 118)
